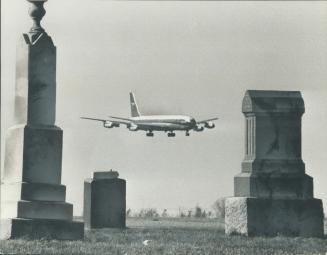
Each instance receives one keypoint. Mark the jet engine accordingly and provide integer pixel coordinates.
(109, 124)
(209, 124)
(198, 128)
(133, 127)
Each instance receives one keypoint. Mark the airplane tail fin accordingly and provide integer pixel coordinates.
(134, 109)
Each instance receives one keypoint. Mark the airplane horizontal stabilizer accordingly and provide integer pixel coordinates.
(204, 121)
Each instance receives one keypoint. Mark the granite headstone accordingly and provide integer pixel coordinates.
(105, 201)
(273, 195)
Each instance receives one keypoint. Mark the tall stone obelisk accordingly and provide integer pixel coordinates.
(32, 197)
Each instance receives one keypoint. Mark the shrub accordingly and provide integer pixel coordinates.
(164, 213)
(148, 213)
(182, 215)
(219, 208)
(198, 212)
(129, 212)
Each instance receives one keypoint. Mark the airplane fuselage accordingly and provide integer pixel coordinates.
(164, 122)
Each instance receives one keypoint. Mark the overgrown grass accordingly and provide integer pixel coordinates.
(168, 236)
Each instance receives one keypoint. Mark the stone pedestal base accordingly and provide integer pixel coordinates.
(271, 217)
(37, 210)
(33, 154)
(41, 229)
(32, 197)
(277, 185)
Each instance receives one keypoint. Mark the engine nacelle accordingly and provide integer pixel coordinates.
(209, 125)
(198, 128)
(110, 124)
(133, 127)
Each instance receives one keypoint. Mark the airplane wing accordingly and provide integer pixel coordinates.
(204, 121)
(87, 118)
(120, 118)
(109, 123)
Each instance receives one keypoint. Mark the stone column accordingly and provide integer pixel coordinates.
(105, 201)
(32, 197)
(273, 195)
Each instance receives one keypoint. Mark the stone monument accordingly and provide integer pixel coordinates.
(273, 195)
(105, 201)
(32, 197)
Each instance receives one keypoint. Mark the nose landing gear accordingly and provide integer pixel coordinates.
(149, 133)
(171, 134)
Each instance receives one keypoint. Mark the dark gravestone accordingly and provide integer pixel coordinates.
(105, 201)
(273, 195)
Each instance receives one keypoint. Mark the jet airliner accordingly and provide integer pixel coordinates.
(150, 123)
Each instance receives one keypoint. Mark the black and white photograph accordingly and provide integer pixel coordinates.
(187, 127)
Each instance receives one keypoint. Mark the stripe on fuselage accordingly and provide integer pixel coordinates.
(163, 122)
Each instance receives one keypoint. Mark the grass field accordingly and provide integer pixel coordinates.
(168, 236)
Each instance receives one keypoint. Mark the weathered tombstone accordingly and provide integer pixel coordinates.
(273, 195)
(105, 201)
(32, 197)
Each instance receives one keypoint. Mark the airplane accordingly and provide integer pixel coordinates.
(150, 123)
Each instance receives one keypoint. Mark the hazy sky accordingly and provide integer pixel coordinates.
(195, 58)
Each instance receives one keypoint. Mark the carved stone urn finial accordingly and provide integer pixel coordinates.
(36, 11)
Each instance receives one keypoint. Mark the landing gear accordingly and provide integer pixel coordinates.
(171, 134)
(187, 133)
(149, 133)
